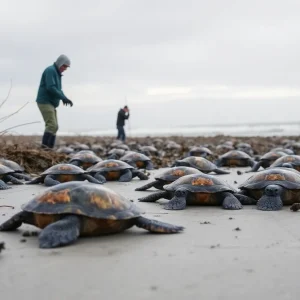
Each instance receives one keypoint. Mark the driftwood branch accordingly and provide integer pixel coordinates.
(7, 94)
(7, 129)
(8, 116)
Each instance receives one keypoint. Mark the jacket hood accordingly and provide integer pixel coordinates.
(63, 60)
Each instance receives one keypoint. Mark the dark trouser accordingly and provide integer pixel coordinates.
(48, 112)
(121, 133)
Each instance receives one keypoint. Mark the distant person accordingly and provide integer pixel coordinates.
(48, 97)
(123, 115)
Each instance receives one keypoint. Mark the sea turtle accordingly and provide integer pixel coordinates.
(69, 210)
(167, 177)
(65, 150)
(63, 173)
(266, 160)
(7, 175)
(200, 163)
(148, 150)
(272, 188)
(112, 169)
(196, 189)
(19, 171)
(245, 147)
(138, 160)
(235, 158)
(116, 153)
(288, 161)
(84, 159)
(280, 149)
(200, 151)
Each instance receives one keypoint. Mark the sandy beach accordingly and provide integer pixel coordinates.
(221, 254)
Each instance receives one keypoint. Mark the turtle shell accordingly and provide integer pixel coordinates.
(285, 177)
(203, 183)
(272, 156)
(66, 169)
(134, 157)
(199, 163)
(86, 156)
(294, 160)
(174, 173)
(12, 165)
(82, 198)
(116, 151)
(287, 151)
(195, 150)
(235, 154)
(5, 170)
(109, 165)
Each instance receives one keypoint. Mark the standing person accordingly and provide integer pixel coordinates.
(48, 97)
(123, 115)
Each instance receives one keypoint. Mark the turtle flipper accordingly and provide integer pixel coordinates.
(155, 196)
(218, 162)
(157, 226)
(220, 171)
(178, 202)
(244, 199)
(22, 176)
(4, 186)
(231, 202)
(255, 167)
(126, 176)
(140, 175)
(13, 179)
(60, 233)
(35, 180)
(16, 221)
(147, 186)
(50, 180)
(295, 207)
(75, 163)
(91, 179)
(149, 165)
(100, 177)
(252, 163)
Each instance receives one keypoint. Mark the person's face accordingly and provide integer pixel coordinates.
(126, 109)
(63, 68)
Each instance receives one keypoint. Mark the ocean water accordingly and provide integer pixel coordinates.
(258, 129)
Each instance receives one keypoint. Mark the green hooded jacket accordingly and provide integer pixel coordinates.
(50, 91)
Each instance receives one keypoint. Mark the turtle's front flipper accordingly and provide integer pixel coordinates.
(100, 177)
(230, 201)
(220, 171)
(155, 196)
(255, 167)
(139, 174)
(252, 163)
(126, 176)
(244, 199)
(60, 233)
(218, 162)
(22, 176)
(157, 226)
(35, 180)
(178, 202)
(4, 186)
(147, 186)
(12, 179)
(91, 179)
(50, 180)
(149, 165)
(16, 221)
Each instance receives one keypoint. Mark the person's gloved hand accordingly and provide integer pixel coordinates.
(68, 101)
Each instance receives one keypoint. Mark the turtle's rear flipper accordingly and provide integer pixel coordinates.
(16, 221)
(255, 167)
(3, 185)
(245, 200)
(155, 196)
(12, 179)
(126, 176)
(61, 233)
(178, 202)
(140, 175)
(220, 171)
(50, 180)
(231, 202)
(157, 226)
(147, 186)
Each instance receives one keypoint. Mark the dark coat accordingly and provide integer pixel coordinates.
(122, 117)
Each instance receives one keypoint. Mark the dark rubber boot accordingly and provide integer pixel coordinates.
(45, 140)
(51, 141)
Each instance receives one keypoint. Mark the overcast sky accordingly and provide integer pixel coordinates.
(178, 62)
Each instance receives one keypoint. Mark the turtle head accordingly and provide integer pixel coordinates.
(287, 165)
(271, 199)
